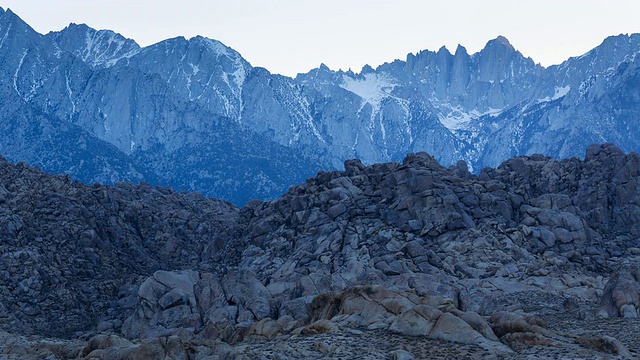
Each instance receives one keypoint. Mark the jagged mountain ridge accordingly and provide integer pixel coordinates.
(157, 103)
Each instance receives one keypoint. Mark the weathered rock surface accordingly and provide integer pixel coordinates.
(70, 252)
(512, 262)
(173, 303)
(621, 295)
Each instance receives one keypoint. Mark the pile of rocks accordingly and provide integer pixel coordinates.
(68, 251)
(528, 258)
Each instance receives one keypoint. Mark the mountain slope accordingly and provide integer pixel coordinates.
(84, 80)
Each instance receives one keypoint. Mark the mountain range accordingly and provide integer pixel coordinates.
(193, 114)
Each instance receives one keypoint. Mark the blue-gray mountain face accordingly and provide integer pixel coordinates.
(194, 115)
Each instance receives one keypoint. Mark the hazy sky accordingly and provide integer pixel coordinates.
(292, 36)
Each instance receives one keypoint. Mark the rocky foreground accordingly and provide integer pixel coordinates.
(538, 258)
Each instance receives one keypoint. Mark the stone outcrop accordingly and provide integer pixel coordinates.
(502, 263)
(171, 303)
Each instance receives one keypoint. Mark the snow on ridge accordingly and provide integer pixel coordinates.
(215, 46)
(104, 47)
(373, 89)
(128, 55)
(238, 76)
(560, 92)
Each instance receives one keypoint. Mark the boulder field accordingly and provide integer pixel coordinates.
(536, 258)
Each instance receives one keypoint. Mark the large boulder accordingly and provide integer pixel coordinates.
(166, 301)
(161, 348)
(170, 302)
(417, 321)
(621, 296)
(244, 290)
(451, 328)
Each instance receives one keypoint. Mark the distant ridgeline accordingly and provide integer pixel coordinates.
(194, 115)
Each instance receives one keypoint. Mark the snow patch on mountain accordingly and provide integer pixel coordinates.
(15, 75)
(214, 45)
(372, 88)
(105, 48)
(6, 34)
(456, 118)
(219, 48)
(70, 93)
(234, 80)
(306, 114)
(559, 92)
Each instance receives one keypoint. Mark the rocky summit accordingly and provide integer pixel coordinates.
(537, 258)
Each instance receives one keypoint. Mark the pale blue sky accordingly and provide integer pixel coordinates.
(292, 36)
